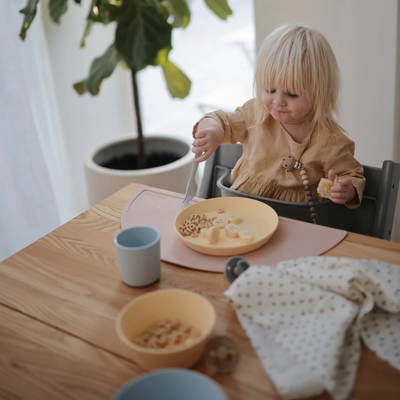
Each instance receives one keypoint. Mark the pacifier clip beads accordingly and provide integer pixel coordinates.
(289, 163)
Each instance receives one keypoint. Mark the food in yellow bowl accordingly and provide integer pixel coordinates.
(226, 226)
(142, 314)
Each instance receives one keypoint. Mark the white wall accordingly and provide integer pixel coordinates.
(86, 120)
(364, 37)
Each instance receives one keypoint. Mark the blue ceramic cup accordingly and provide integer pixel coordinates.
(171, 384)
(138, 253)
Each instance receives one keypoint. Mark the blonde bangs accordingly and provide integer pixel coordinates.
(284, 68)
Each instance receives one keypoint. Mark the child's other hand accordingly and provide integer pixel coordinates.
(208, 137)
(344, 191)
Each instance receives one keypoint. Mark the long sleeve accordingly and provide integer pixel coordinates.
(339, 156)
(235, 124)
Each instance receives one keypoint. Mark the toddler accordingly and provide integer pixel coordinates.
(293, 114)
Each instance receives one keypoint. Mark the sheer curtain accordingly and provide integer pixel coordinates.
(34, 182)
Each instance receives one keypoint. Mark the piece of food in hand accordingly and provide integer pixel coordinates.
(245, 236)
(212, 234)
(235, 219)
(232, 230)
(324, 187)
(220, 222)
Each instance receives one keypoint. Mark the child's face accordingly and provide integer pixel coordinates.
(288, 108)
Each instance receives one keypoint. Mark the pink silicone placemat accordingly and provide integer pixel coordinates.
(159, 209)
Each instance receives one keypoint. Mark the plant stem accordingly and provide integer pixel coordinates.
(140, 139)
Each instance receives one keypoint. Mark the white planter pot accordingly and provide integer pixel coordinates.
(102, 182)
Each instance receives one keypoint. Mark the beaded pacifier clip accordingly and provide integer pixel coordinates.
(289, 162)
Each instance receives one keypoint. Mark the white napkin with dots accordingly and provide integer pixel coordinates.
(305, 318)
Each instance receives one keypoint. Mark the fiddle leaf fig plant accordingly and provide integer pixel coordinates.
(143, 37)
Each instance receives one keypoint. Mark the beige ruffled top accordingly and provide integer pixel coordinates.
(259, 170)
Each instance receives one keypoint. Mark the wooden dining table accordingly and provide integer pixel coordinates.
(60, 298)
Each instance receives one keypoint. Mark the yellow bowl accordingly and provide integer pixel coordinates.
(143, 312)
(258, 218)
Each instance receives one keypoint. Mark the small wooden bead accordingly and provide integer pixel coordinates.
(307, 189)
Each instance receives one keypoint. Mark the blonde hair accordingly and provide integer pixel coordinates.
(299, 60)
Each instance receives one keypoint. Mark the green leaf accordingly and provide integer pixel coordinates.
(124, 65)
(57, 8)
(102, 13)
(29, 11)
(181, 12)
(178, 83)
(101, 68)
(88, 28)
(219, 7)
(105, 13)
(164, 9)
(142, 32)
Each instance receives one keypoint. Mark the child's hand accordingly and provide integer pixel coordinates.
(344, 191)
(208, 137)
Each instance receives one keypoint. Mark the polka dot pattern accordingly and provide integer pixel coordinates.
(306, 316)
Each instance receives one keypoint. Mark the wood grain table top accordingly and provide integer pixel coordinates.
(59, 301)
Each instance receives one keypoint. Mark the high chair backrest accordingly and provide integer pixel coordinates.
(374, 217)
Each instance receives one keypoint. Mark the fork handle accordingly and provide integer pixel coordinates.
(194, 167)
